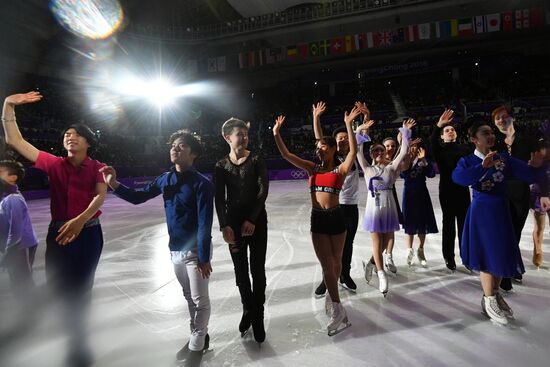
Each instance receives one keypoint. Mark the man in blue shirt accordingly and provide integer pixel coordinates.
(17, 238)
(188, 202)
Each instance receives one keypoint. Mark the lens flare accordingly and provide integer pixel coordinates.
(95, 19)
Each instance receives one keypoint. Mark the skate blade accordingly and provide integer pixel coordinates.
(341, 328)
(244, 333)
(348, 288)
(318, 295)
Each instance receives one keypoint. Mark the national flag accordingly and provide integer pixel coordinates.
(259, 57)
(384, 38)
(411, 33)
(337, 46)
(313, 49)
(435, 30)
(465, 27)
(522, 19)
(303, 49)
(279, 53)
(348, 44)
(291, 52)
(537, 18)
(493, 22)
(370, 40)
(507, 22)
(360, 41)
(251, 59)
(398, 35)
(324, 47)
(221, 62)
(243, 60)
(445, 28)
(269, 58)
(212, 64)
(424, 31)
(480, 25)
(454, 27)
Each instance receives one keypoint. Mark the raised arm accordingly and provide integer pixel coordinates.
(318, 110)
(352, 154)
(435, 138)
(285, 153)
(13, 135)
(361, 138)
(404, 149)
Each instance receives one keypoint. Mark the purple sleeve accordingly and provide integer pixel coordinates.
(15, 213)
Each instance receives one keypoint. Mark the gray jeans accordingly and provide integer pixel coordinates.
(195, 291)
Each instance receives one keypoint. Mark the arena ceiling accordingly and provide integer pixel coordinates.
(252, 8)
(194, 13)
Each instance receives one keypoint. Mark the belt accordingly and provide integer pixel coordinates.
(59, 223)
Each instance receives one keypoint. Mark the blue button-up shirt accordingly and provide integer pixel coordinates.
(188, 203)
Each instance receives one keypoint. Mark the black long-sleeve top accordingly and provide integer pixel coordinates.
(447, 155)
(522, 147)
(241, 188)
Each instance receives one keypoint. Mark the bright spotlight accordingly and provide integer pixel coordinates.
(95, 19)
(160, 92)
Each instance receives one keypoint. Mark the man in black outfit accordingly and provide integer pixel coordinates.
(454, 199)
(242, 184)
(519, 145)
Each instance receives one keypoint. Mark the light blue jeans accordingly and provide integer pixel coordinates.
(195, 291)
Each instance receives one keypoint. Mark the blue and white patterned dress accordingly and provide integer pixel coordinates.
(488, 240)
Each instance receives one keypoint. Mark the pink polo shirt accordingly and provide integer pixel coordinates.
(71, 189)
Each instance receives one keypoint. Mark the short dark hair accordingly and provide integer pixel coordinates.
(475, 126)
(14, 168)
(84, 131)
(232, 123)
(338, 130)
(188, 138)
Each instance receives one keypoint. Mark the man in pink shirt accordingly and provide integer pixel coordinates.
(74, 240)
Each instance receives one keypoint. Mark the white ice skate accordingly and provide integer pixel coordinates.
(421, 257)
(368, 267)
(390, 264)
(508, 312)
(382, 282)
(410, 256)
(338, 320)
(492, 310)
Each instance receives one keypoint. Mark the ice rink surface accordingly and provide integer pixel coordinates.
(139, 316)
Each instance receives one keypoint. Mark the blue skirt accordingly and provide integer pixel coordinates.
(488, 240)
(418, 212)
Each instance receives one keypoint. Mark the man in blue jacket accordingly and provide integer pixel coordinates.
(188, 202)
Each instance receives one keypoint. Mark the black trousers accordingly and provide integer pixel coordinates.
(518, 199)
(351, 219)
(252, 291)
(454, 205)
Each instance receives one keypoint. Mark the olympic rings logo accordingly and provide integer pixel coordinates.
(296, 174)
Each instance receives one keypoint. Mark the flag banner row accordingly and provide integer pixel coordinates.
(536, 18)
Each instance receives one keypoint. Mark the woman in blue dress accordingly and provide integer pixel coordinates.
(418, 212)
(488, 240)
